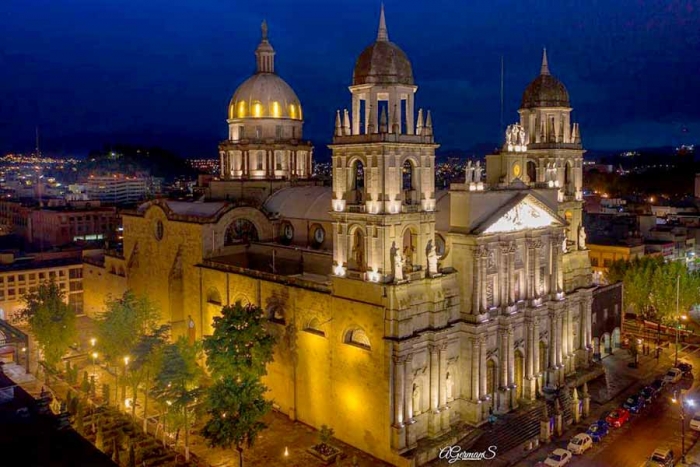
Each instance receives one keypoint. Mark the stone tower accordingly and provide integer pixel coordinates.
(383, 171)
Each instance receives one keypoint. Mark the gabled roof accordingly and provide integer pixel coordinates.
(523, 211)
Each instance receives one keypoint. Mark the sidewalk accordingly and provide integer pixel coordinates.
(619, 379)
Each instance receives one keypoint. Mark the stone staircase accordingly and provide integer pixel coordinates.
(511, 430)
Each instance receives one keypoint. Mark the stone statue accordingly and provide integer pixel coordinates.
(477, 172)
(416, 399)
(509, 135)
(432, 258)
(398, 265)
(582, 238)
(408, 256)
(521, 136)
(469, 173)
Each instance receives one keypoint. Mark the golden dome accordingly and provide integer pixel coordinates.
(265, 95)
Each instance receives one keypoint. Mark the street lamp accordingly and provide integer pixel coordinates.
(94, 362)
(126, 364)
(679, 398)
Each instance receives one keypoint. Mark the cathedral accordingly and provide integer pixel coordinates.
(401, 312)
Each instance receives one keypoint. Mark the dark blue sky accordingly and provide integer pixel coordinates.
(162, 71)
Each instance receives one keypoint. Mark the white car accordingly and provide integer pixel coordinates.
(558, 458)
(673, 375)
(580, 443)
(695, 422)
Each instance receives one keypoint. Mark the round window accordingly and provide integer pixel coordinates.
(159, 230)
(287, 233)
(319, 236)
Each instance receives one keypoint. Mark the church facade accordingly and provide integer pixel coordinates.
(400, 311)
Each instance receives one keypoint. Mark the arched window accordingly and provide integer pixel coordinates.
(358, 337)
(407, 176)
(314, 327)
(241, 231)
(531, 172)
(358, 181)
(357, 258)
(275, 313)
(259, 162)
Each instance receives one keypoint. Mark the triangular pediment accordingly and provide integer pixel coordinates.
(522, 214)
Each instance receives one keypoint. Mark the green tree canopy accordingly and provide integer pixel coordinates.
(51, 321)
(237, 355)
(123, 323)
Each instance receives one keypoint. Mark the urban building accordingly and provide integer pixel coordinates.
(607, 318)
(54, 227)
(408, 312)
(20, 275)
(603, 254)
(120, 189)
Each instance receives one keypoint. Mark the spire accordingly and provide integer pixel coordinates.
(429, 124)
(395, 125)
(346, 122)
(545, 65)
(338, 127)
(383, 127)
(265, 54)
(382, 33)
(370, 117)
(419, 122)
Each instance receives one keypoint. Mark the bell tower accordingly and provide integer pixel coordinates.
(383, 172)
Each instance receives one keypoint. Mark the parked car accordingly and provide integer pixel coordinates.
(617, 417)
(558, 458)
(658, 385)
(580, 443)
(686, 368)
(662, 457)
(695, 422)
(648, 393)
(598, 430)
(634, 404)
(673, 375)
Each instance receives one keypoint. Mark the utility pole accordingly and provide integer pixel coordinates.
(678, 315)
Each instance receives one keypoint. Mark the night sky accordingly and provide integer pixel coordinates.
(161, 72)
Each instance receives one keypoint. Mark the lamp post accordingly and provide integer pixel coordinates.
(126, 364)
(680, 399)
(94, 363)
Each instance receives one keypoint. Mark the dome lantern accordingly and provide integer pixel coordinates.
(545, 90)
(265, 54)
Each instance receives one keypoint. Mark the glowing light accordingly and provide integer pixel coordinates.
(24, 349)
(684, 317)
(292, 111)
(94, 355)
(691, 402)
(93, 341)
(286, 452)
(338, 205)
(524, 215)
(276, 112)
(373, 275)
(241, 109)
(339, 270)
(257, 110)
(126, 360)
(127, 403)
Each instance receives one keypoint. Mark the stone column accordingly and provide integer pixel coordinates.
(226, 165)
(476, 285)
(399, 389)
(442, 406)
(408, 391)
(553, 287)
(484, 278)
(482, 365)
(475, 377)
(503, 278)
(530, 270)
(511, 274)
(246, 162)
(536, 345)
(410, 124)
(538, 292)
(503, 357)
(511, 357)
(355, 114)
(434, 420)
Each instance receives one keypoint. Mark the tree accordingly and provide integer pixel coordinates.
(673, 291)
(237, 356)
(178, 384)
(147, 355)
(124, 321)
(236, 410)
(51, 321)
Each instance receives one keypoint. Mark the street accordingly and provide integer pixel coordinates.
(658, 425)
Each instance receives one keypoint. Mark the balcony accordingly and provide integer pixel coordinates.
(358, 208)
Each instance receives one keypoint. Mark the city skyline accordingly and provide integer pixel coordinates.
(86, 83)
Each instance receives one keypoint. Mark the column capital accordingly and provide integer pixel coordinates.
(399, 358)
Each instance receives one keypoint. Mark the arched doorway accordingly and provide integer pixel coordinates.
(519, 363)
(491, 379)
(357, 179)
(616, 338)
